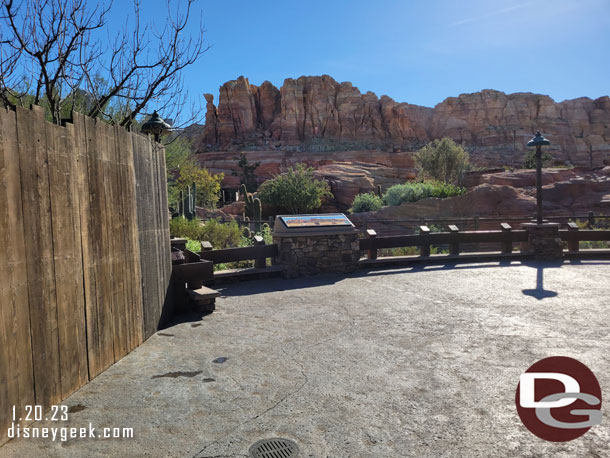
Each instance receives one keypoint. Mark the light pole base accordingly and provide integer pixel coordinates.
(543, 240)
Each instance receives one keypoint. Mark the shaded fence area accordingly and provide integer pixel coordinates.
(84, 245)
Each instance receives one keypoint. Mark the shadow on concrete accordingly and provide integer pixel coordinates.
(188, 317)
(278, 284)
(372, 272)
(539, 292)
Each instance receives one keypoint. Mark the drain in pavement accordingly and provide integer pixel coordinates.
(274, 448)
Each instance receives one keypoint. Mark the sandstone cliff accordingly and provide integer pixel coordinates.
(317, 113)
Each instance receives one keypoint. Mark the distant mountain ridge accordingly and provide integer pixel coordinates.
(317, 113)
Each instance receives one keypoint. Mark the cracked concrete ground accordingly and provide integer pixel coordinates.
(406, 362)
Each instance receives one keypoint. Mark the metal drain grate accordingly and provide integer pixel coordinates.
(274, 448)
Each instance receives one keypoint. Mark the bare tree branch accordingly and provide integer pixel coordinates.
(54, 53)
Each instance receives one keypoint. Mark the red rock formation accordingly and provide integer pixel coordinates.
(273, 162)
(316, 113)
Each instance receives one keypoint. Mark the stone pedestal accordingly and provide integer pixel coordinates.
(543, 241)
(310, 254)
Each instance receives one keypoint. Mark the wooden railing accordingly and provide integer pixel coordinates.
(473, 223)
(505, 237)
(574, 235)
(257, 253)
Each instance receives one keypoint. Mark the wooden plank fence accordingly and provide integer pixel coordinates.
(84, 253)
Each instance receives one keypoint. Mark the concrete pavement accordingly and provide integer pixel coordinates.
(411, 362)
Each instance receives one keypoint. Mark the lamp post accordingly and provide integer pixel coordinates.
(155, 125)
(538, 141)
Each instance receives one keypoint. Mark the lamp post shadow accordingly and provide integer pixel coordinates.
(539, 293)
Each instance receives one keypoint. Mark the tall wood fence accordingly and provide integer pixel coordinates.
(84, 253)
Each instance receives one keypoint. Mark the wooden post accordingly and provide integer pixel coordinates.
(591, 220)
(372, 252)
(573, 243)
(507, 245)
(454, 247)
(206, 246)
(259, 263)
(425, 247)
(476, 228)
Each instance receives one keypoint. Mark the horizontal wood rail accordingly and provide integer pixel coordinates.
(573, 235)
(258, 253)
(506, 237)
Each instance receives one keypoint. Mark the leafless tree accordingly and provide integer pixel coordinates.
(64, 55)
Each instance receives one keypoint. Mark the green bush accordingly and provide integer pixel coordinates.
(220, 235)
(296, 191)
(443, 160)
(412, 192)
(366, 203)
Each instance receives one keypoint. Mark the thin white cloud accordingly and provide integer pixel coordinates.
(491, 14)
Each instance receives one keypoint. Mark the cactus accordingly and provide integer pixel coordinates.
(257, 214)
(254, 207)
(188, 199)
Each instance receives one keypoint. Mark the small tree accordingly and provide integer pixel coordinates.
(183, 171)
(296, 191)
(246, 173)
(443, 160)
(529, 159)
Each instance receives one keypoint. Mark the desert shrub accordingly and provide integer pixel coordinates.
(412, 192)
(529, 159)
(443, 160)
(366, 203)
(220, 235)
(296, 191)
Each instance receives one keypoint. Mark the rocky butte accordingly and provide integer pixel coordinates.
(318, 114)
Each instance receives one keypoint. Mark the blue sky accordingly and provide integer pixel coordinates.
(414, 51)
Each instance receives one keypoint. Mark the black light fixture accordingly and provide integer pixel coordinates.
(538, 141)
(155, 125)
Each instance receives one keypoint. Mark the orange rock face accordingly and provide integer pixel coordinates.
(317, 113)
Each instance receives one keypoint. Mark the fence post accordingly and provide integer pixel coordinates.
(573, 244)
(259, 263)
(591, 220)
(425, 247)
(206, 246)
(372, 252)
(507, 245)
(454, 247)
